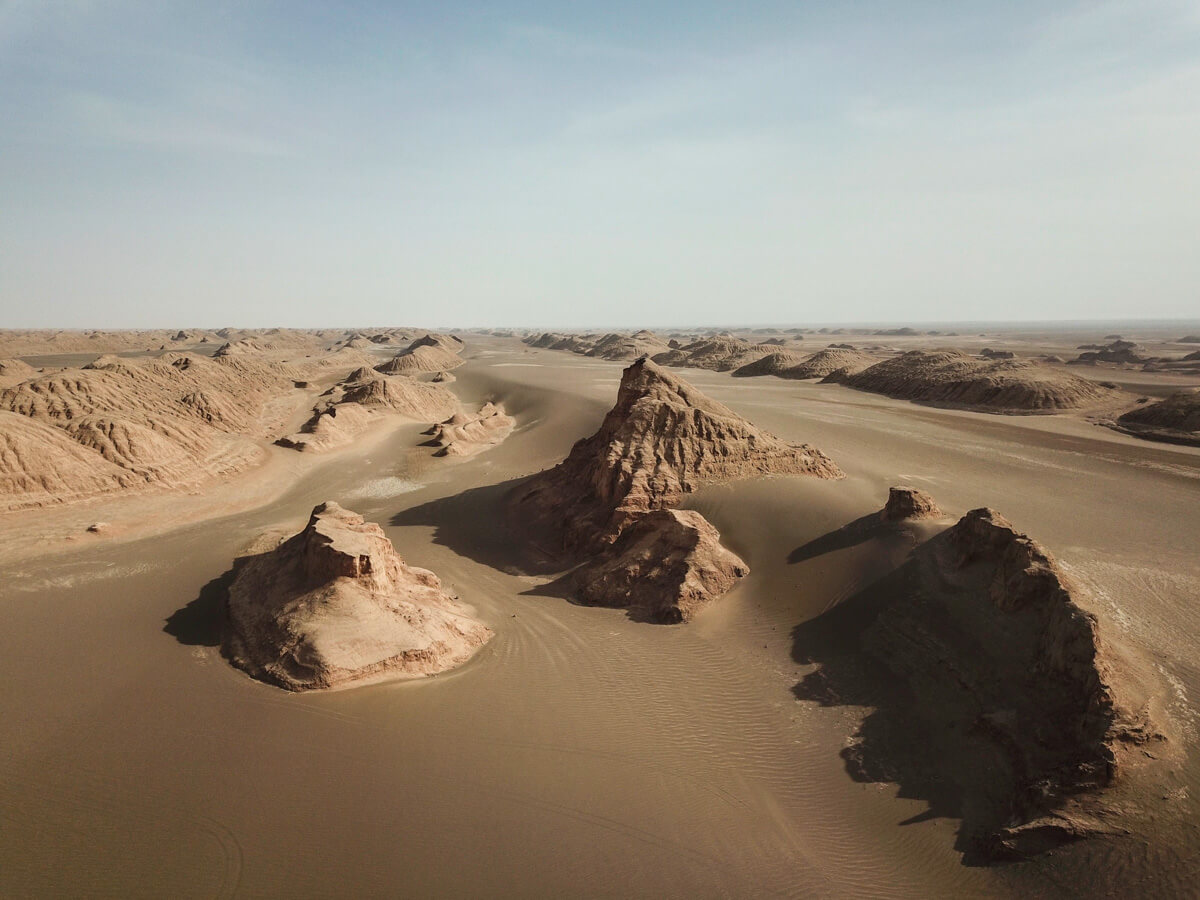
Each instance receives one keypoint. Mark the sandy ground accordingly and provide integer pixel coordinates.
(580, 753)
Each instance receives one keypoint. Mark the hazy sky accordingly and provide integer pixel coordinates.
(301, 163)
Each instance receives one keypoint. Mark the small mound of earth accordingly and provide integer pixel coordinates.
(909, 503)
(615, 346)
(832, 359)
(352, 405)
(720, 354)
(771, 364)
(1002, 385)
(664, 568)
(335, 605)
(1175, 420)
(431, 353)
(463, 435)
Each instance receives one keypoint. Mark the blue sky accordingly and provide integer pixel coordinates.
(264, 163)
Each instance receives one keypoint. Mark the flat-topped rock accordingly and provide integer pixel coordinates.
(335, 605)
(909, 503)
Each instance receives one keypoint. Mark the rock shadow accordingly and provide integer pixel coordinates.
(199, 623)
(857, 532)
(929, 753)
(475, 524)
(563, 588)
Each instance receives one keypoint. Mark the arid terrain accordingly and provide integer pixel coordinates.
(797, 612)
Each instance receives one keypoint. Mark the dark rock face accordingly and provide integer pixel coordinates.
(993, 689)
(1174, 420)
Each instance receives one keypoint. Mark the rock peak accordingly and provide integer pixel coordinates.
(663, 438)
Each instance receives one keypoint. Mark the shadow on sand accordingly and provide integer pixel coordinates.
(857, 532)
(199, 623)
(474, 524)
(924, 751)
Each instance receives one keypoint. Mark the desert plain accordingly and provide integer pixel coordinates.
(415, 612)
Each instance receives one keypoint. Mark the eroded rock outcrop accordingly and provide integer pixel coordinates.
(664, 568)
(832, 359)
(997, 681)
(335, 605)
(909, 503)
(1175, 420)
(662, 439)
(997, 385)
(351, 405)
(466, 435)
(431, 353)
(771, 364)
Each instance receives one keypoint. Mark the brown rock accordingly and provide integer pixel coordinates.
(909, 503)
(662, 439)
(664, 568)
(463, 435)
(335, 605)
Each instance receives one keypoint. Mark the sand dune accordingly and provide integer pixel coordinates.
(335, 605)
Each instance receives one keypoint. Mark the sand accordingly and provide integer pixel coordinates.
(579, 751)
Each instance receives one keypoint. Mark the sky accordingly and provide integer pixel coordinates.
(170, 163)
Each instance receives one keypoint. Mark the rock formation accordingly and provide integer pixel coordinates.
(1118, 353)
(431, 353)
(168, 422)
(720, 354)
(1175, 420)
(665, 567)
(620, 346)
(830, 360)
(662, 439)
(14, 371)
(771, 364)
(909, 503)
(465, 435)
(350, 406)
(1002, 385)
(992, 659)
(443, 378)
(335, 605)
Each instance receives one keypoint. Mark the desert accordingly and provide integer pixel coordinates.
(533, 450)
(604, 525)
